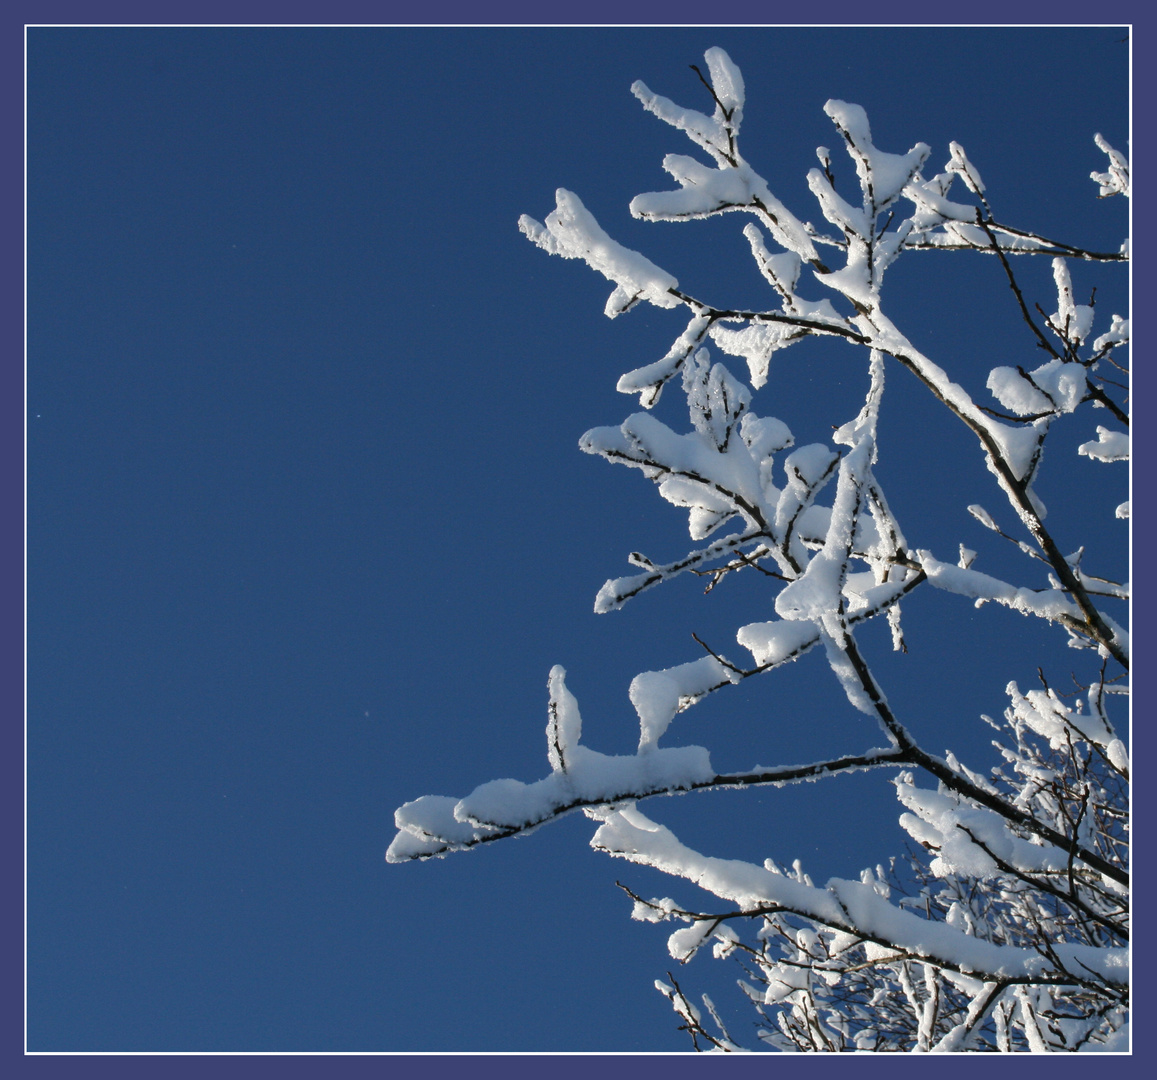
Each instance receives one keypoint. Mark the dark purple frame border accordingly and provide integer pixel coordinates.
(605, 12)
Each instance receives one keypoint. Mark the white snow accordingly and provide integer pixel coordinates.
(564, 724)
(1115, 181)
(435, 825)
(659, 695)
(1057, 386)
(1046, 603)
(1071, 321)
(715, 399)
(648, 381)
(1108, 446)
(773, 643)
(1118, 334)
(848, 905)
(1043, 712)
(733, 184)
(572, 232)
(960, 164)
(956, 830)
(882, 176)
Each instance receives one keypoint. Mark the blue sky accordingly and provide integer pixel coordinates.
(308, 524)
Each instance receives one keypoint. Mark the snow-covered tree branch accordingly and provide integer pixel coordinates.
(1006, 925)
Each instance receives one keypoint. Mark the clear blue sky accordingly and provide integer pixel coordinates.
(308, 524)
